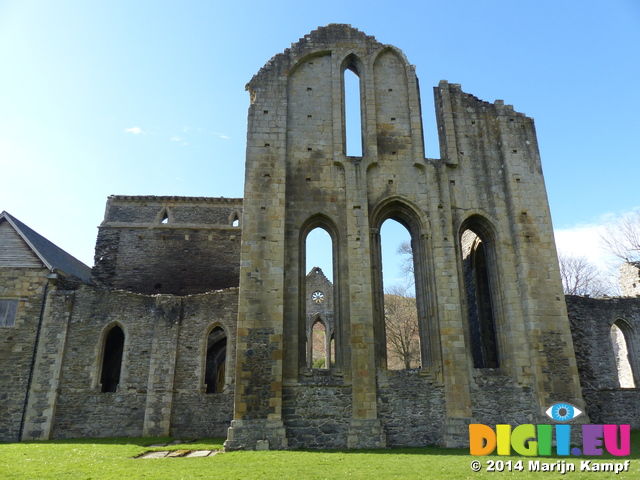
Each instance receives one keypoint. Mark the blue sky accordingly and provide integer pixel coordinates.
(147, 97)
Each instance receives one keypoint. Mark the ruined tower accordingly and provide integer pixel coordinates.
(494, 335)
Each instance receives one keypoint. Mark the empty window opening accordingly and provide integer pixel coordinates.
(400, 309)
(214, 377)
(112, 359)
(165, 217)
(621, 352)
(319, 307)
(235, 220)
(319, 345)
(8, 312)
(479, 301)
(353, 114)
(319, 248)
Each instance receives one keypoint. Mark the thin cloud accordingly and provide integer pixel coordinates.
(224, 136)
(176, 139)
(584, 240)
(134, 130)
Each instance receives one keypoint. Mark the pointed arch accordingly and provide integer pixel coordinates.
(235, 219)
(478, 258)
(304, 351)
(415, 221)
(393, 114)
(624, 349)
(353, 109)
(111, 356)
(319, 348)
(215, 359)
(164, 216)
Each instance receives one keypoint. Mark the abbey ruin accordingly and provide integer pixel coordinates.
(196, 318)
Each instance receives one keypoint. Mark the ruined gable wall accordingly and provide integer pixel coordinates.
(494, 174)
(196, 251)
(299, 176)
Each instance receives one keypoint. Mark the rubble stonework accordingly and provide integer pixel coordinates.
(173, 273)
(591, 322)
(195, 250)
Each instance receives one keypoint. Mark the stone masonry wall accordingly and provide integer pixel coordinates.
(629, 279)
(317, 413)
(299, 176)
(17, 343)
(194, 412)
(161, 384)
(591, 321)
(195, 251)
(412, 409)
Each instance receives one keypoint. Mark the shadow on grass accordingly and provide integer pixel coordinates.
(216, 444)
(433, 450)
(138, 441)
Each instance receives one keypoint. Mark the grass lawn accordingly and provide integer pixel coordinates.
(113, 458)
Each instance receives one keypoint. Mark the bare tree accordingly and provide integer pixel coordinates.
(401, 320)
(581, 277)
(622, 237)
(406, 264)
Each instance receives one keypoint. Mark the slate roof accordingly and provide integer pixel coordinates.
(51, 255)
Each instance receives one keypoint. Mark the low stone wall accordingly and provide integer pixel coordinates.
(317, 415)
(496, 398)
(617, 406)
(96, 415)
(411, 408)
(200, 415)
(161, 389)
(591, 320)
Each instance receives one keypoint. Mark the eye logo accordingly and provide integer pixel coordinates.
(563, 412)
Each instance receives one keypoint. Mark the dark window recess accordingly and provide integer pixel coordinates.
(216, 360)
(484, 346)
(8, 312)
(112, 359)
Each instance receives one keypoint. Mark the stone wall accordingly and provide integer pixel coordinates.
(161, 389)
(317, 412)
(411, 408)
(591, 321)
(17, 343)
(299, 176)
(195, 251)
(629, 279)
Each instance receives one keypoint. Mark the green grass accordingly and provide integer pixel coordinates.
(113, 458)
